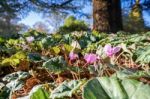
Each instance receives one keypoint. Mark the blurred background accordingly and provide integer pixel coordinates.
(19, 16)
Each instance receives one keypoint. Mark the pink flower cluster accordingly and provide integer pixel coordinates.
(89, 58)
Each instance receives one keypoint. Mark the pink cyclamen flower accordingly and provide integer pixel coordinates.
(73, 56)
(90, 58)
(30, 39)
(110, 51)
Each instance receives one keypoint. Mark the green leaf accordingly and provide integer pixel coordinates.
(137, 38)
(66, 89)
(15, 82)
(15, 85)
(143, 55)
(4, 93)
(14, 59)
(56, 50)
(2, 40)
(35, 57)
(92, 38)
(12, 41)
(37, 92)
(114, 88)
(40, 94)
(130, 74)
(57, 36)
(1, 85)
(93, 90)
(9, 61)
(19, 55)
(16, 76)
(68, 48)
(46, 42)
(56, 64)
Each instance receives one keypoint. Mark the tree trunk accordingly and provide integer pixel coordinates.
(107, 15)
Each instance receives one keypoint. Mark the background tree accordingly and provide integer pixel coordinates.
(133, 15)
(71, 24)
(107, 15)
(8, 27)
(135, 21)
(10, 11)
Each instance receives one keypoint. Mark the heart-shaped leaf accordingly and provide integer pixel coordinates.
(56, 64)
(114, 88)
(66, 89)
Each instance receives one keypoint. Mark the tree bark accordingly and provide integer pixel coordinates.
(107, 15)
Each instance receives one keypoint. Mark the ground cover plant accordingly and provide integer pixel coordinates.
(76, 65)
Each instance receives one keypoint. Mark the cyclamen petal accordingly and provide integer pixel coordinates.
(107, 48)
(109, 54)
(116, 49)
(73, 56)
(110, 51)
(90, 58)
